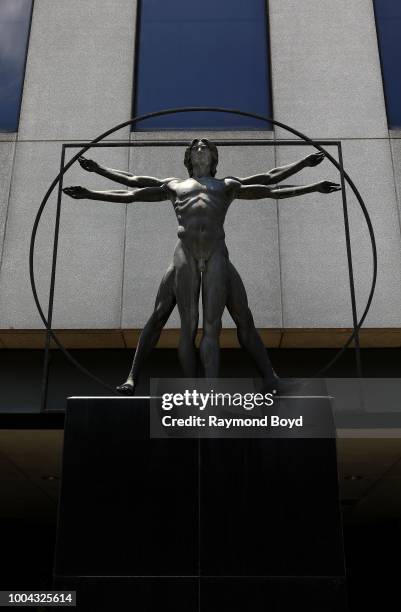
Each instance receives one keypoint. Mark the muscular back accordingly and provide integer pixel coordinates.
(200, 206)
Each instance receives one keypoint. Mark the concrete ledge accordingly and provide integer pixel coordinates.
(128, 338)
(370, 337)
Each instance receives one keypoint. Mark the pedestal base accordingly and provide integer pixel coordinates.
(195, 525)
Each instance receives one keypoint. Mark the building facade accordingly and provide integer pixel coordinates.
(325, 80)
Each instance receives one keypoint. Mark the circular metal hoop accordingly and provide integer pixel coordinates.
(172, 111)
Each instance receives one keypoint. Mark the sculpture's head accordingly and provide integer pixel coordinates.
(201, 152)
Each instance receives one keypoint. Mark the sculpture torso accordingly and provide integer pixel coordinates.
(201, 205)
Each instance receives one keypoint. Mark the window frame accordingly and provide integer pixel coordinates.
(268, 129)
(21, 93)
(381, 59)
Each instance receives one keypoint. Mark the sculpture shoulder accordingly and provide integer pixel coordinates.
(167, 181)
(172, 184)
(232, 183)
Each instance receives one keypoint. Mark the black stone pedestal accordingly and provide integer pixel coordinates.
(195, 525)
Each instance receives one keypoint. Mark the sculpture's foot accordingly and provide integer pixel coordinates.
(271, 385)
(128, 388)
(279, 386)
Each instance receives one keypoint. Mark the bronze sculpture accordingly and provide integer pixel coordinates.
(201, 258)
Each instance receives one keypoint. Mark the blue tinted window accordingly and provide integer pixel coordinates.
(15, 18)
(203, 53)
(388, 20)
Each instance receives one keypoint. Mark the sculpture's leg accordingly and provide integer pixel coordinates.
(214, 295)
(187, 287)
(248, 337)
(164, 305)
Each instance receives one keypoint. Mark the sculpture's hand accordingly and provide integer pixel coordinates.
(88, 164)
(314, 159)
(77, 192)
(327, 187)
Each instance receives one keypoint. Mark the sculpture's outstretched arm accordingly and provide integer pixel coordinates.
(146, 194)
(119, 176)
(280, 174)
(258, 192)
